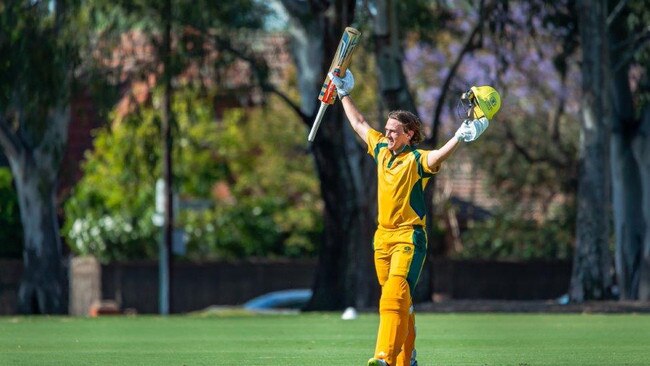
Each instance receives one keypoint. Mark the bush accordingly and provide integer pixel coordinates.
(251, 167)
(510, 237)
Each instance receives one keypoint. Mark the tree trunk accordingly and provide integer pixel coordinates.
(641, 147)
(34, 118)
(344, 276)
(590, 278)
(42, 290)
(630, 223)
(389, 55)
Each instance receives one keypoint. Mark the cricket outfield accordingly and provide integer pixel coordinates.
(323, 339)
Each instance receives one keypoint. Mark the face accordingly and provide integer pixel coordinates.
(397, 137)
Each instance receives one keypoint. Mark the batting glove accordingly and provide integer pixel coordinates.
(471, 130)
(343, 85)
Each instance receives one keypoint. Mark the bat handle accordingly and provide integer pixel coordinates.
(319, 118)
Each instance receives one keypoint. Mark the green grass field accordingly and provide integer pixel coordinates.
(323, 339)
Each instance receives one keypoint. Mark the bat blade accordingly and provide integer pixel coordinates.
(340, 63)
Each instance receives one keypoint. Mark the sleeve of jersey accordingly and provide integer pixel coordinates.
(373, 139)
(425, 166)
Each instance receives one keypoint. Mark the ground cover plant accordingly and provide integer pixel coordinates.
(323, 339)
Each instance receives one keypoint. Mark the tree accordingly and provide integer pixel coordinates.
(344, 276)
(529, 155)
(590, 278)
(36, 72)
(629, 148)
(259, 197)
(389, 53)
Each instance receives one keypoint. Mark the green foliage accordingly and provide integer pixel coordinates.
(509, 236)
(123, 15)
(11, 230)
(274, 209)
(528, 164)
(35, 65)
(251, 166)
(122, 41)
(210, 158)
(420, 17)
(639, 43)
(109, 212)
(533, 174)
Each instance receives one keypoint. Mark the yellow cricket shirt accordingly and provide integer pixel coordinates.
(401, 179)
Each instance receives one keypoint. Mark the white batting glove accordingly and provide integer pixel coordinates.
(343, 85)
(471, 130)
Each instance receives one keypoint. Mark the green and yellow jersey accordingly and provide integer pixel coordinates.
(401, 180)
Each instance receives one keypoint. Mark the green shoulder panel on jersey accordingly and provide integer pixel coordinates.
(416, 200)
(378, 147)
(421, 171)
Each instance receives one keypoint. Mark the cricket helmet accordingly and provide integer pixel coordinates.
(483, 101)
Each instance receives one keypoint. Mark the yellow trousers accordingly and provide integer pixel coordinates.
(399, 257)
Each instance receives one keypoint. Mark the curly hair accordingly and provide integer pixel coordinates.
(410, 122)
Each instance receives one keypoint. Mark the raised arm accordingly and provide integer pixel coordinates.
(436, 157)
(357, 120)
(343, 87)
(469, 131)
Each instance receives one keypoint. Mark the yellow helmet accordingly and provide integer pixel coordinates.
(487, 101)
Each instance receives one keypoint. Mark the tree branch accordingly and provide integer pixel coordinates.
(301, 10)
(260, 76)
(555, 132)
(467, 46)
(8, 139)
(513, 140)
(633, 42)
(296, 8)
(556, 135)
(526, 154)
(272, 89)
(617, 10)
(636, 44)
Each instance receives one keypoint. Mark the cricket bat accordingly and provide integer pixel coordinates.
(339, 65)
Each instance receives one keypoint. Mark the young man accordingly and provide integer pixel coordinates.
(400, 240)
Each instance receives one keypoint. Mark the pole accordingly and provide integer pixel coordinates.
(166, 252)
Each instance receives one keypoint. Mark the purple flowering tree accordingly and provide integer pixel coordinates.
(529, 154)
